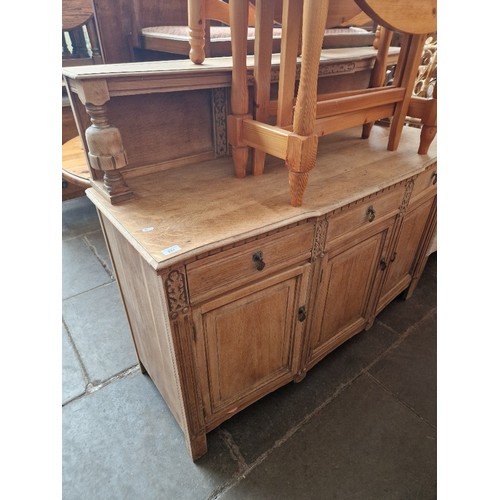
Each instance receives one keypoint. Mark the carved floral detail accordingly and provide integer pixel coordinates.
(427, 71)
(319, 239)
(219, 110)
(406, 197)
(176, 293)
(334, 69)
(323, 70)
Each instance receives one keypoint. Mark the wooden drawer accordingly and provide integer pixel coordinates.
(250, 261)
(424, 181)
(365, 213)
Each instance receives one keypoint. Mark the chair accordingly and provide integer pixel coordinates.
(422, 111)
(80, 46)
(80, 38)
(204, 17)
(302, 118)
(212, 17)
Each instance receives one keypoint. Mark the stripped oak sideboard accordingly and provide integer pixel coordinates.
(231, 293)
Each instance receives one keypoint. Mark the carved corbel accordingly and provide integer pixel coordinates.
(106, 153)
(105, 147)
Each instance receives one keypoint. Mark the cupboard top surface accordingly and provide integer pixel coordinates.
(224, 64)
(190, 210)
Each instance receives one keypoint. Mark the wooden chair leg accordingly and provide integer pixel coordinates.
(382, 43)
(409, 73)
(429, 124)
(427, 135)
(303, 144)
(290, 40)
(264, 12)
(196, 24)
(238, 13)
(298, 183)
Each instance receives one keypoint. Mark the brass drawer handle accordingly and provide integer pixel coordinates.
(258, 260)
(370, 212)
(434, 177)
(383, 264)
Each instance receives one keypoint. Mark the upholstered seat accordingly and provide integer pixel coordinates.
(208, 34)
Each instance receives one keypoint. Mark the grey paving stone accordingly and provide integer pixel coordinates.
(410, 370)
(364, 445)
(401, 314)
(122, 442)
(258, 427)
(79, 216)
(73, 381)
(98, 245)
(81, 269)
(430, 273)
(97, 323)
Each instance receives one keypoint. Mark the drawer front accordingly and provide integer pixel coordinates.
(426, 180)
(229, 269)
(365, 213)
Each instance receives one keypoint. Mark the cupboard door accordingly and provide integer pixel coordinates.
(404, 257)
(345, 299)
(248, 342)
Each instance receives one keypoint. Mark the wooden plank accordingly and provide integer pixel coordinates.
(355, 103)
(273, 140)
(211, 64)
(335, 95)
(331, 124)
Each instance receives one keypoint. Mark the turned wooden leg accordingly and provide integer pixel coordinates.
(429, 124)
(382, 42)
(107, 154)
(238, 16)
(240, 160)
(367, 128)
(196, 24)
(259, 160)
(411, 47)
(264, 12)
(298, 183)
(427, 135)
(303, 144)
(301, 158)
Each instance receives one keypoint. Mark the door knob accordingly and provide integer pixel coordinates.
(258, 260)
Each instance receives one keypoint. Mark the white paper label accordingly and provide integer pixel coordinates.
(172, 249)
